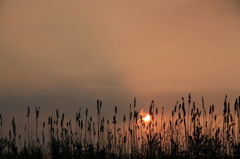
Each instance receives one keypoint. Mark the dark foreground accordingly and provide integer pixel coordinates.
(190, 132)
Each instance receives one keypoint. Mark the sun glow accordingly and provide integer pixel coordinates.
(146, 118)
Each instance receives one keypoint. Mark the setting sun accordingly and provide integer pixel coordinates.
(146, 118)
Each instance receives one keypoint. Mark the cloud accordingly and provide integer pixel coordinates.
(53, 51)
(114, 50)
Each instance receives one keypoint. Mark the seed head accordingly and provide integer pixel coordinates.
(135, 102)
(57, 113)
(86, 111)
(28, 111)
(124, 118)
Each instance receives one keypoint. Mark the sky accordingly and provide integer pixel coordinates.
(67, 54)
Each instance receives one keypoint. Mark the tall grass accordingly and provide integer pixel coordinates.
(189, 132)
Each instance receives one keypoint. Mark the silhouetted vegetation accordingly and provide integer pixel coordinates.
(189, 132)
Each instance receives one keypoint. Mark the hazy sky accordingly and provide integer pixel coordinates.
(68, 54)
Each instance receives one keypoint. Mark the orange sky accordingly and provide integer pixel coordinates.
(117, 50)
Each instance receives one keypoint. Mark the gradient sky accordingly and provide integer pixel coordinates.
(68, 54)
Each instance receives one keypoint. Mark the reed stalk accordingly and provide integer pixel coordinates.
(1, 125)
(37, 115)
(28, 115)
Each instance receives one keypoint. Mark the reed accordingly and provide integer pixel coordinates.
(37, 115)
(1, 125)
(189, 132)
(28, 115)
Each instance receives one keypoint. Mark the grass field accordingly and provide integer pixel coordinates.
(191, 131)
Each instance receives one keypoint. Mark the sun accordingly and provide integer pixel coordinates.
(146, 118)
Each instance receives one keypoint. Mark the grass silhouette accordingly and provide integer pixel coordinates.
(191, 132)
